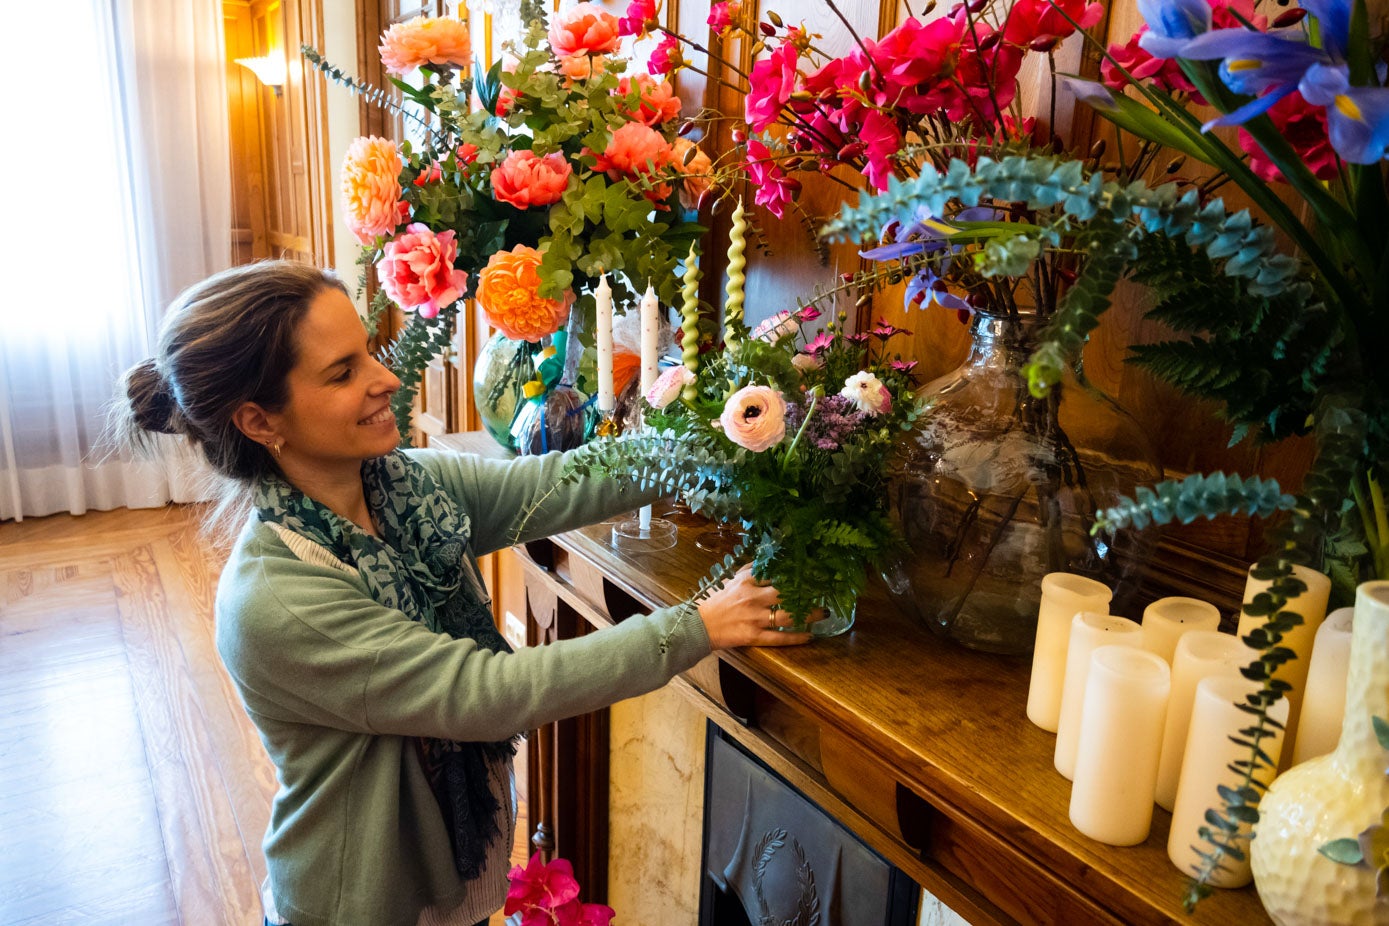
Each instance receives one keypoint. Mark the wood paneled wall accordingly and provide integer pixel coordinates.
(281, 179)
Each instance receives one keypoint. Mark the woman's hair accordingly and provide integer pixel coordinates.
(225, 341)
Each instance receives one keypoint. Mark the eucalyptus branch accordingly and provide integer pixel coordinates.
(370, 92)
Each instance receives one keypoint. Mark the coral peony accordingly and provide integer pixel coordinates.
(637, 150)
(655, 102)
(696, 169)
(585, 29)
(508, 291)
(524, 179)
(370, 186)
(417, 270)
(439, 41)
(868, 393)
(582, 67)
(755, 417)
(668, 386)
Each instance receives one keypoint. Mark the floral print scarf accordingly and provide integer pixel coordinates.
(421, 566)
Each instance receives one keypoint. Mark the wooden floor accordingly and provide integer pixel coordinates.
(133, 789)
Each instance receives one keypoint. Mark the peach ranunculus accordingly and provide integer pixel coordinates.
(508, 291)
(370, 185)
(441, 41)
(585, 29)
(524, 179)
(637, 150)
(657, 102)
(417, 270)
(582, 67)
(697, 170)
(755, 417)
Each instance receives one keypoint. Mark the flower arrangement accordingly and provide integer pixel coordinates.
(544, 894)
(523, 184)
(786, 431)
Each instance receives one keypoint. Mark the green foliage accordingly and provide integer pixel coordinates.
(1196, 496)
(409, 354)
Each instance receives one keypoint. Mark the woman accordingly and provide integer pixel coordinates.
(351, 615)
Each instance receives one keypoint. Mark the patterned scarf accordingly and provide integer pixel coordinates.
(421, 566)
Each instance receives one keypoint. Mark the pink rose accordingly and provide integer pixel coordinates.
(585, 29)
(668, 386)
(754, 417)
(417, 270)
(868, 393)
(523, 179)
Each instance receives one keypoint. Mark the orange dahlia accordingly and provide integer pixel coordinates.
(436, 40)
(370, 187)
(507, 290)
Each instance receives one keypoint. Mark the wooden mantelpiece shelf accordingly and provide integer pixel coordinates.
(919, 746)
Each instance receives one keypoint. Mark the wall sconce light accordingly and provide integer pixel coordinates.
(269, 70)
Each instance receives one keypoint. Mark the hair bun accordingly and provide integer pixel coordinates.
(152, 400)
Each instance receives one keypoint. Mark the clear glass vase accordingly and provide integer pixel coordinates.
(996, 488)
(502, 370)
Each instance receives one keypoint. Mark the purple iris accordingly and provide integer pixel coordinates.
(1357, 118)
(927, 286)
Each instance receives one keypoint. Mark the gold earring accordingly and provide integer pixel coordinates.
(274, 448)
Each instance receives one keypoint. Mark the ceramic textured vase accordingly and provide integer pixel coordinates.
(1332, 797)
(502, 370)
(996, 488)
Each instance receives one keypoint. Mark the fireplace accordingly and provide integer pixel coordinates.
(772, 857)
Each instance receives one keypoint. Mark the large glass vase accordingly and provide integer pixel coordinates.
(500, 375)
(996, 488)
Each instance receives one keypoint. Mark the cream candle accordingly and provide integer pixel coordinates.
(1167, 619)
(650, 361)
(1324, 701)
(1311, 605)
(1089, 632)
(1126, 695)
(603, 336)
(1063, 596)
(1205, 766)
(1199, 655)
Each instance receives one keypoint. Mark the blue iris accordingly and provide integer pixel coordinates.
(1171, 23)
(927, 286)
(1357, 118)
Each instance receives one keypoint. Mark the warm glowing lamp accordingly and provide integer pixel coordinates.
(269, 69)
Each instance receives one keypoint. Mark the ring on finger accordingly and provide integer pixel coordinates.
(771, 620)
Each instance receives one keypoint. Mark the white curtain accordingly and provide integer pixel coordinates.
(118, 196)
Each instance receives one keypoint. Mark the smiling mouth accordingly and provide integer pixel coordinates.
(380, 417)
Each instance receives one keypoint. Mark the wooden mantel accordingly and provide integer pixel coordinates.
(919, 746)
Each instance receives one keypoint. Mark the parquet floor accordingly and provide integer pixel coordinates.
(133, 789)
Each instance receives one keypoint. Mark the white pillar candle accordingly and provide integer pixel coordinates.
(1205, 765)
(1126, 695)
(1089, 631)
(1200, 654)
(603, 335)
(1063, 596)
(1167, 619)
(650, 338)
(1311, 605)
(1324, 701)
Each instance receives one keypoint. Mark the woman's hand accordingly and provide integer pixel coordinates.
(744, 613)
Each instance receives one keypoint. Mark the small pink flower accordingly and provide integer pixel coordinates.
(820, 344)
(541, 885)
(808, 313)
(639, 19)
(417, 270)
(721, 15)
(523, 179)
(775, 328)
(755, 417)
(770, 85)
(774, 189)
(868, 393)
(668, 386)
(667, 57)
(585, 29)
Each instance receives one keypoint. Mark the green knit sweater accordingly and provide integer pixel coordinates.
(340, 687)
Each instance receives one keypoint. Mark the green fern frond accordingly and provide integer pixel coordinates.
(1196, 496)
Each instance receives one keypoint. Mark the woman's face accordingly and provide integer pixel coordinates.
(338, 412)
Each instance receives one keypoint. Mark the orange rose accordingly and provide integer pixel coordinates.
(434, 40)
(370, 185)
(657, 102)
(585, 29)
(697, 170)
(507, 290)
